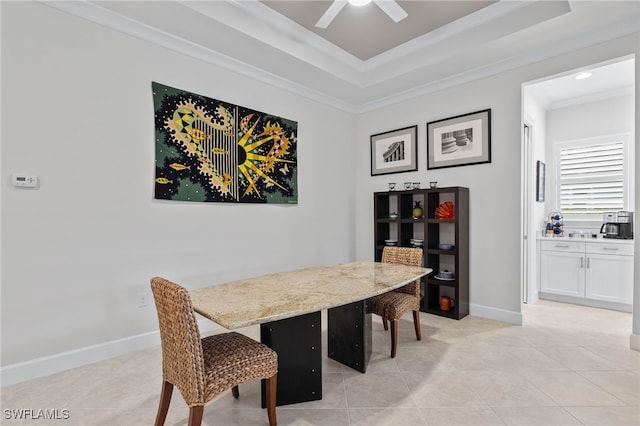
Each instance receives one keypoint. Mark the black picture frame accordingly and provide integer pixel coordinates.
(462, 140)
(395, 151)
(540, 181)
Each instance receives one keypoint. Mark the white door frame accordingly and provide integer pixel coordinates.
(528, 234)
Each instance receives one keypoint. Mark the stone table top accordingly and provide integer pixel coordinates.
(282, 295)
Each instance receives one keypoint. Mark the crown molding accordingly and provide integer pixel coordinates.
(498, 67)
(118, 22)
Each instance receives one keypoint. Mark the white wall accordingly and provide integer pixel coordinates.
(612, 116)
(495, 189)
(600, 118)
(536, 115)
(77, 111)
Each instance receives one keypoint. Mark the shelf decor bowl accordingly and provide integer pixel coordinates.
(416, 242)
(445, 275)
(446, 246)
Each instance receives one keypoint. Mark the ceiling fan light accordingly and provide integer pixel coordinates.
(359, 2)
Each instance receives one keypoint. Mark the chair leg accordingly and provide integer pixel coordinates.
(195, 415)
(165, 400)
(394, 337)
(416, 324)
(235, 392)
(270, 394)
(384, 324)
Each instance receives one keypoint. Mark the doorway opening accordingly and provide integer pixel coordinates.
(561, 108)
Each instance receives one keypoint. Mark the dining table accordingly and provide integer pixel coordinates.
(287, 305)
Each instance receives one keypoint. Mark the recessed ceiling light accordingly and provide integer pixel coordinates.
(359, 2)
(583, 75)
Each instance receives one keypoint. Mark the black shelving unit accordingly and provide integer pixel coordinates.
(433, 232)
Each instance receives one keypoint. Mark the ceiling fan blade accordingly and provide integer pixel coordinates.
(391, 8)
(331, 13)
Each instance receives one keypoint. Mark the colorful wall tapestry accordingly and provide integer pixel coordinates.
(210, 150)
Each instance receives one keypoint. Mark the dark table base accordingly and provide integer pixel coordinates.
(298, 342)
(349, 335)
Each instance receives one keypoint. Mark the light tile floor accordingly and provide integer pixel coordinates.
(567, 365)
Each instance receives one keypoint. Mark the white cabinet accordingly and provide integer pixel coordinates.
(562, 268)
(593, 272)
(609, 273)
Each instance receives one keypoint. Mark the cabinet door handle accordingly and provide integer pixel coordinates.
(562, 245)
(610, 248)
(581, 262)
(588, 262)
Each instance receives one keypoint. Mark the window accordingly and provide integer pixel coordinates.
(592, 176)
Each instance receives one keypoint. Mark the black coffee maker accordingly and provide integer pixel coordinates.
(617, 225)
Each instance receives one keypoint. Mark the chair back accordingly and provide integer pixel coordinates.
(182, 354)
(404, 256)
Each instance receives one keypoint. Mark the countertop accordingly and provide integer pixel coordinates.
(590, 240)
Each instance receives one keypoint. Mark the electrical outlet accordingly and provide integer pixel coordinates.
(143, 299)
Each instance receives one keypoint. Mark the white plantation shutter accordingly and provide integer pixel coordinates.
(591, 177)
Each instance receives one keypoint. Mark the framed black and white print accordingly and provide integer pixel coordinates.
(459, 141)
(395, 151)
(540, 170)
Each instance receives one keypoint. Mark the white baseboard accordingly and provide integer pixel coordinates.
(603, 304)
(497, 314)
(39, 367)
(634, 342)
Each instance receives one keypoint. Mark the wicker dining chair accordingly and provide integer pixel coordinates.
(203, 368)
(391, 306)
